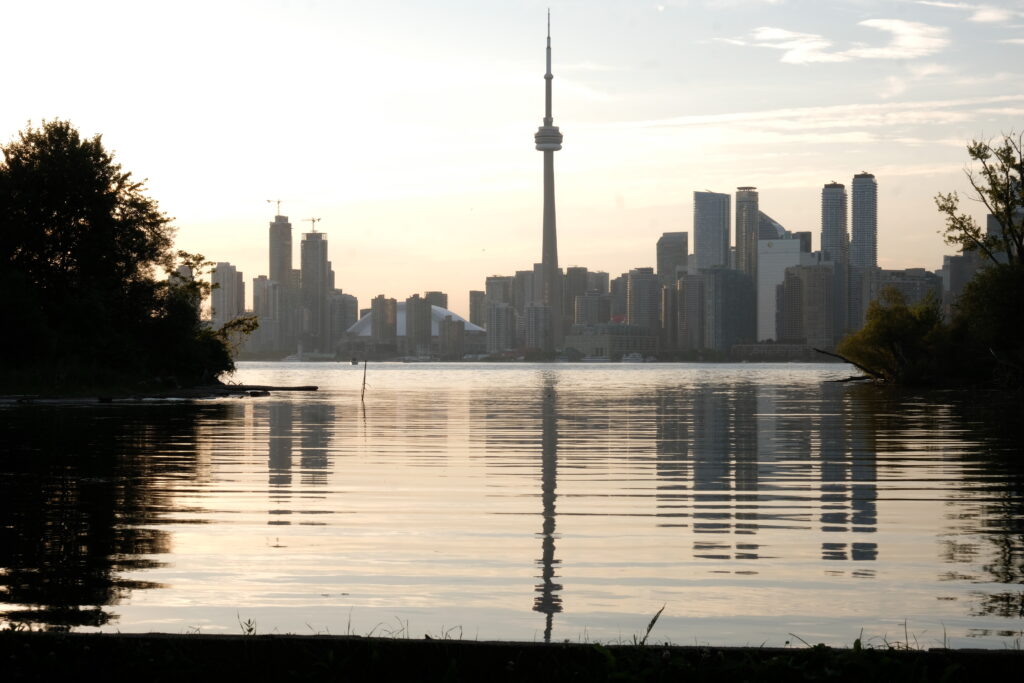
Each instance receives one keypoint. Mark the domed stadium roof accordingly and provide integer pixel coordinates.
(364, 326)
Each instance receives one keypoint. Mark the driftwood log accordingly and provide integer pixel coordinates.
(870, 373)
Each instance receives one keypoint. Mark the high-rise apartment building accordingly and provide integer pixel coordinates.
(384, 321)
(418, 325)
(501, 327)
(672, 250)
(498, 289)
(281, 250)
(575, 285)
(478, 307)
(316, 287)
(439, 299)
(228, 297)
(747, 230)
(643, 299)
(710, 229)
(773, 258)
(835, 239)
(864, 219)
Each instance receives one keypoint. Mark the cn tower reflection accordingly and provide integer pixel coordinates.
(548, 602)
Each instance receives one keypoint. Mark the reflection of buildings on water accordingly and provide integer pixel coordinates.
(848, 478)
(707, 466)
(280, 419)
(736, 460)
(314, 440)
(311, 422)
(548, 602)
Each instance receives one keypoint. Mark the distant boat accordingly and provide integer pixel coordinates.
(633, 357)
(595, 359)
(355, 361)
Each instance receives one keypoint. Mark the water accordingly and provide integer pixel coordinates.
(526, 502)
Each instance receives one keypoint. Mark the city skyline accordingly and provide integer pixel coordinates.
(418, 165)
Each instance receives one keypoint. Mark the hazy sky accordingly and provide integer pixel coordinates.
(407, 127)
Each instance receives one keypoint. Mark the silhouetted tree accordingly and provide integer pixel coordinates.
(998, 186)
(900, 343)
(81, 247)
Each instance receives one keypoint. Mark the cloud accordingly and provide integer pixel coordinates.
(828, 119)
(908, 40)
(1013, 41)
(980, 13)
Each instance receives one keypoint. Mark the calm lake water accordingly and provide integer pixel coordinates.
(524, 502)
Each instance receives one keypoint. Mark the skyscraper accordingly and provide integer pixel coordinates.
(864, 242)
(315, 289)
(835, 248)
(228, 297)
(672, 249)
(548, 139)
(747, 222)
(281, 250)
(711, 229)
(643, 300)
(834, 237)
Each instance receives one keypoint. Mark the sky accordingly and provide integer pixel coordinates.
(407, 127)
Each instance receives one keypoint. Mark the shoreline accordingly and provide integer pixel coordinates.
(157, 657)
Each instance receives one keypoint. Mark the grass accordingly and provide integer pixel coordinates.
(159, 657)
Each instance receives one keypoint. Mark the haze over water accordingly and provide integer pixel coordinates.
(521, 502)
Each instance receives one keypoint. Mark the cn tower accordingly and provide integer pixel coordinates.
(549, 141)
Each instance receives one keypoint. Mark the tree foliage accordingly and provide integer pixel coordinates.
(984, 341)
(997, 184)
(83, 258)
(900, 343)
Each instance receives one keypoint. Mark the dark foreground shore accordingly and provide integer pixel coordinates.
(154, 657)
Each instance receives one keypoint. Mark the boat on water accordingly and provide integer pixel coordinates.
(633, 357)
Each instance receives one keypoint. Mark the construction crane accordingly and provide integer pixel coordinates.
(313, 222)
(278, 202)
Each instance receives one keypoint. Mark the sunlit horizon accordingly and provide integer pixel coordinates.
(407, 128)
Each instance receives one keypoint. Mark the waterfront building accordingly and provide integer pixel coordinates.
(228, 297)
(387, 336)
(618, 288)
(281, 250)
(774, 256)
(710, 229)
(835, 248)
(690, 313)
(611, 340)
(439, 299)
(592, 308)
(382, 321)
(501, 327)
(747, 231)
(729, 309)
(671, 252)
(316, 286)
(597, 282)
(915, 284)
(539, 332)
(643, 299)
(418, 324)
(834, 236)
(807, 294)
(478, 307)
(498, 289)
(344, 314)
(864, 220)
(575, 285)
(451, 337)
